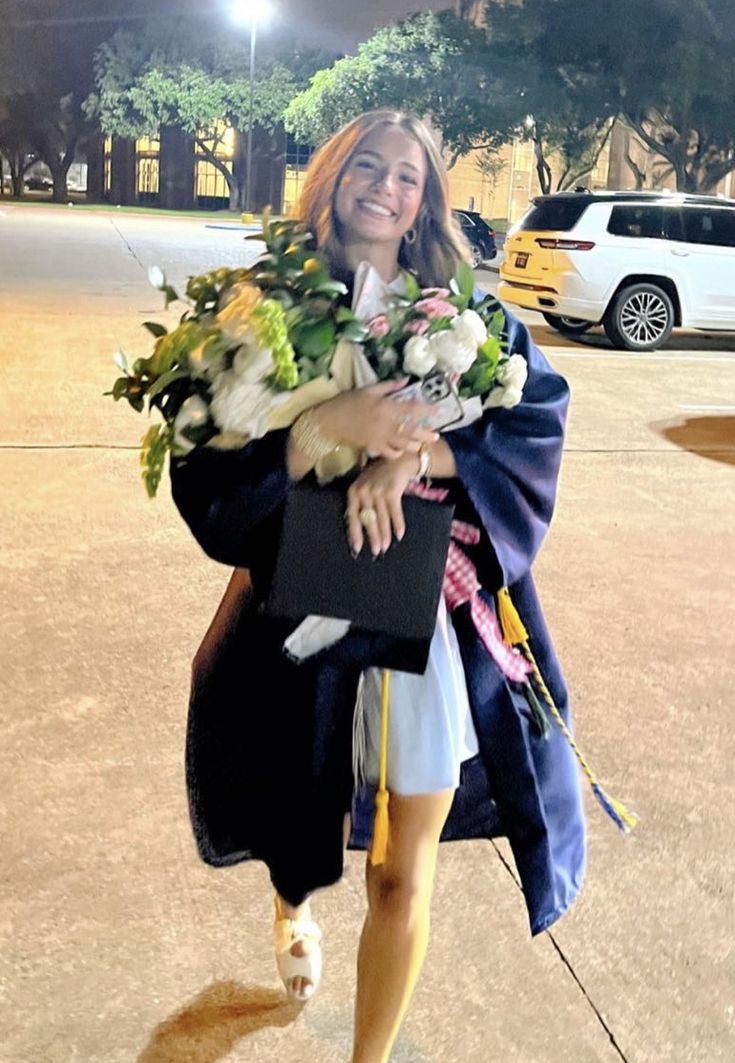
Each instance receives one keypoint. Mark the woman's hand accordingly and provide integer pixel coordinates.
(369, 418)
(378, 490)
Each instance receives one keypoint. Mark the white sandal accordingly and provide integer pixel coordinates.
(286, 933)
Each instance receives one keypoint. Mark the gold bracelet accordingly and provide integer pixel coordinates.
(424, 471)
(307, 436)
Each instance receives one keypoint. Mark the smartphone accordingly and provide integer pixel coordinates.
(436, 388)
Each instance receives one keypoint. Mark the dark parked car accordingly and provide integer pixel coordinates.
(35, 183)
(480, 236)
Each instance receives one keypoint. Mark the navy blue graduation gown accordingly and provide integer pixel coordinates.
(268, 753)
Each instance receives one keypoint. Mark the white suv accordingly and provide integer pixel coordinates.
(639, 262)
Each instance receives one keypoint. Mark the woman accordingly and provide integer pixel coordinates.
(270, 777)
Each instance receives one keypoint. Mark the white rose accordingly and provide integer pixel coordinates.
(513, 373)
(418, 356)
(252, 364)
(241, 407)
(505, 397)
(471, 320)
(194, 413)
(454, 349)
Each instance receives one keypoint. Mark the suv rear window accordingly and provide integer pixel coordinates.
(556, 214)
(708, 225)
(636, 220)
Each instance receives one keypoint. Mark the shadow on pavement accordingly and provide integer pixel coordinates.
(709, 437)
(207, 1030)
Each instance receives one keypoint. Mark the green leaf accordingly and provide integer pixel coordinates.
(413, 289)
(315, 337)
(355, 331)
(155, 329)
(119, 388)
(171, 295)
(163, 382)
(331, 287)
(465, 280)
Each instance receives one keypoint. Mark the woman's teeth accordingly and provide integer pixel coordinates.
(375, 208)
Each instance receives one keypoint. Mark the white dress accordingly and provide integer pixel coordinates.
(430, 728)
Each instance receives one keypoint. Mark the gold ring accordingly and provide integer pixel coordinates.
(367, 516)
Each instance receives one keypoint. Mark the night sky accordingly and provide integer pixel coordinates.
(333, 25)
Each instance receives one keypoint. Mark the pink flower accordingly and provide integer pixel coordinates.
(379, 326)
(418, 326)
(440, 293)
(436, 307)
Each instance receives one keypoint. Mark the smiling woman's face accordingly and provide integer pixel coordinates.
(382, 188)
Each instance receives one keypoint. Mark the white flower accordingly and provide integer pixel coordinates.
(418, 356)
(238, 406)
(505, 397)
(511, 375)
(156, 277)
(513, 372)
(252, 364)
(470, 320)
(194, 413)
(454, 349)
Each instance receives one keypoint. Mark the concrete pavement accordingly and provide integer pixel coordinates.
(118, 944)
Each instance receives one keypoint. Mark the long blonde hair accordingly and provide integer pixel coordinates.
(439, 245)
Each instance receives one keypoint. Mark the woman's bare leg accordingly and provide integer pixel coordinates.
(396, 931)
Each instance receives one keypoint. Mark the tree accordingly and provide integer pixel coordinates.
(42, 88)
(477, 84)
(664, 66)
(15, 144)
(197, 83)
(434, 65)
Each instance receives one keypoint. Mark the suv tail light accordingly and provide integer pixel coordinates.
(565, 245)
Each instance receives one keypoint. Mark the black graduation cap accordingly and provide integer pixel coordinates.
(395, 594)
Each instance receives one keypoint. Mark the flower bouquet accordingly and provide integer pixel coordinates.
(257, 346)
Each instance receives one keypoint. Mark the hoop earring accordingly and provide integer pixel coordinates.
(410, 236)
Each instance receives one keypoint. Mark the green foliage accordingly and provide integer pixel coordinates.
(664, 66)
(192, 80)
(156, 444)
(556, 72)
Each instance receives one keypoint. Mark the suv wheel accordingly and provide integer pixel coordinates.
(477, 255)
(568, 326)
(640, 318)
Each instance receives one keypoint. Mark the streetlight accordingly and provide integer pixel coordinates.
(250, 12)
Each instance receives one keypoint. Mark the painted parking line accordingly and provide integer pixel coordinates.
(619, 356)
(709, 409)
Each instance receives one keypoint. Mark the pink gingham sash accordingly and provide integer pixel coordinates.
(461, 585)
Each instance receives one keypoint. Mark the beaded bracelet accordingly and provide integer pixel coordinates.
(307, 436)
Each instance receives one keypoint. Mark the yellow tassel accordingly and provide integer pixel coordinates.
(514, 633)
(379, 847)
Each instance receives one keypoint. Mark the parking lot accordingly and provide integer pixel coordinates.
(117, 943)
